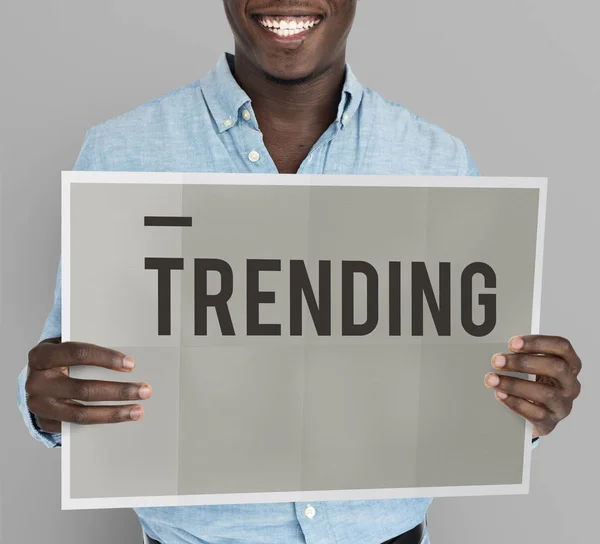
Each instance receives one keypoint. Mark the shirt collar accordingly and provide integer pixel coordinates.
(352, 94)
(225, 97)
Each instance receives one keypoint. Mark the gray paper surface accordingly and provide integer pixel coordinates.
(298, 413)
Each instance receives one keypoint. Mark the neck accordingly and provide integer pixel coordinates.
(309, 102)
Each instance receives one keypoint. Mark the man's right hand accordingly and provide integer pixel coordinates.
(52, 395)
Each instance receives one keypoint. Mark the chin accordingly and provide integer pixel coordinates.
(289, 74)
(288, 78)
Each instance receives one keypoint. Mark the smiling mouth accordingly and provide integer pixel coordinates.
(288, 26)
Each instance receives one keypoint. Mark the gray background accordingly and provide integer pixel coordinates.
(415, 403)
(517, 80)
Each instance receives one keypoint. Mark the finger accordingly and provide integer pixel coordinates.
(73, 412)
(64, 387)
(539, 416)
(540, 365)
(49, 425)
(46, 355)
(542, 394)
(547, 345)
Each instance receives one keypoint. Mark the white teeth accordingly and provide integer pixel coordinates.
(287, 27)
(285, 32)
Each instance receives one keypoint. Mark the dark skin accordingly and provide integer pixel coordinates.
(295, 86)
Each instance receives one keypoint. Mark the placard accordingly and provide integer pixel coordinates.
(306, 338)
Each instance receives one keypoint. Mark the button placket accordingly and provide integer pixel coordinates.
(327, 137)
(314, 523)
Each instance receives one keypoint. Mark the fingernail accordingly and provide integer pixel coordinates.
(145, 392)
(136, 413)
(516, 342)
(128, 363)
(501, 395)
(492, 380)
(499, 361)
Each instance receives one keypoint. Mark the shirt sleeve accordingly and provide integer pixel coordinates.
(51, 330)
(52, 327)
(469, 168)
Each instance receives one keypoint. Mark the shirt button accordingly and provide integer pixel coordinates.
(246, 115)
(253, 156)
(309, 512)
(345, 118)
(228, 122)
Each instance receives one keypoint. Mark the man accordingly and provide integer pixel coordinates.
(286, 102)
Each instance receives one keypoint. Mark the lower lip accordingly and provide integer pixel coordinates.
(288, 39)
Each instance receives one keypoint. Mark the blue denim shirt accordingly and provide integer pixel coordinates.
(209, 126)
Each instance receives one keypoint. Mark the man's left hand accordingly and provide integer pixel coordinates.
(547, 400)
